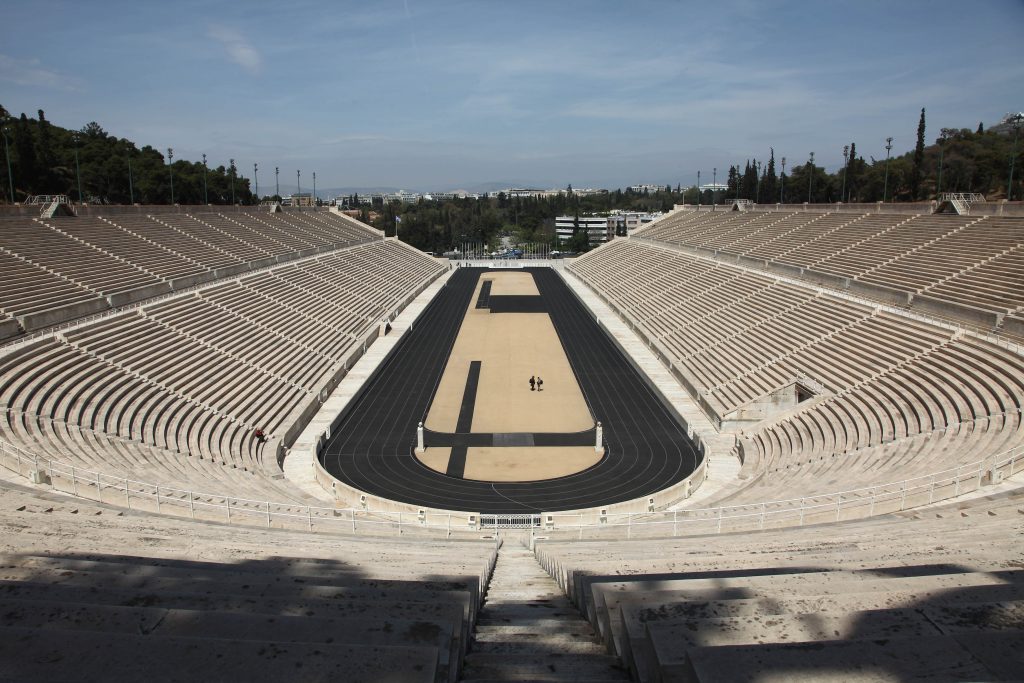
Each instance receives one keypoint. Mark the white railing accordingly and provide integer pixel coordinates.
(43, 199)
(962, 201)
(830, 507)
(213, 507)
(813, 509)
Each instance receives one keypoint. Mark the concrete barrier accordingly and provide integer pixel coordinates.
(888, 295)
(229, 271)
(138, 294)
(783, 269)
(59, 314)
(187, 281)
(1013, 326)
(9, 328)
(825, 279)
(947, 309)
(750, 262)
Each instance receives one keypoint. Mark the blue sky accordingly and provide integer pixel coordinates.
(446, 94)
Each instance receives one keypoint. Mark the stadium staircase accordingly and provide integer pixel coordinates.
(528, 630)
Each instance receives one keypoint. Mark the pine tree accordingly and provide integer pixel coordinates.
(981, 128)
(770, 182)
(915, 170)
(851, 173)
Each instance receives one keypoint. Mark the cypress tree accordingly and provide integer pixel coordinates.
(915, 171)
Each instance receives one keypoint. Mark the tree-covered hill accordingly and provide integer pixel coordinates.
(48, 159)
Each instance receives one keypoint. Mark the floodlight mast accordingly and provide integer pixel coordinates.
(206, 198)
(7, 148)
(885, 186)
(1017, 120)
(170, 171)
(810, 180)
(78, 173)
(782, 185)
(846, 166)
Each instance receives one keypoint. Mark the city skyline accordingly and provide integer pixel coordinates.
(452, 95)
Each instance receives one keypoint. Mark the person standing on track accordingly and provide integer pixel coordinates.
(531, 382)
(540, 383)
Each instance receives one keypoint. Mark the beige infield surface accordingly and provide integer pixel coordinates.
(516, 464)
(511, 347)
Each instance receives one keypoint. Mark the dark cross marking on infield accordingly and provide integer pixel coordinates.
(457, 459)
(484, 299)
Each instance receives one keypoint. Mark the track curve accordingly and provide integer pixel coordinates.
(371, 449)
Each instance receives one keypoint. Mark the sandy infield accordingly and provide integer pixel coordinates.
(516, 464)
(511, 348)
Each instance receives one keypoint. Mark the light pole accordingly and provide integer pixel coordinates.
(846, 165)
(206, 197)
(277, 185)
(810, 179)
(131, 190)
(698, 190)
(757, 184)
(256, 178)
(1013, 155)
(942, 148)
(170, 170)
(782, 185)
(231, 167)
(7, 148)
(298, 187)
(78, 173)
(885, 187)
(714, 186)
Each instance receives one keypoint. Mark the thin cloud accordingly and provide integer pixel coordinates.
(31, 72)
(238, 48)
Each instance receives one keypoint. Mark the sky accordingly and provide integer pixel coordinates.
(452, 94)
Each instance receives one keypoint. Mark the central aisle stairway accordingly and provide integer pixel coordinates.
(528, 630)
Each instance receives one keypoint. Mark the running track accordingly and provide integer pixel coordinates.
(371, 449)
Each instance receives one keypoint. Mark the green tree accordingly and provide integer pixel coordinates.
(916, 169)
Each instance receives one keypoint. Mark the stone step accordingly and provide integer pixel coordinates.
(577, 629)
(940, 658)
(36, 655)
(540, 646)
(552, 667)
(233, 626)
(553, 626)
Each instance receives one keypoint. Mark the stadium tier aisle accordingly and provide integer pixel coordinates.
(935, 594)
(971, 261)
(59, 269)
(91, 592)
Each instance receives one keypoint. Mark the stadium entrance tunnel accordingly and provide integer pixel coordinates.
(496, 444)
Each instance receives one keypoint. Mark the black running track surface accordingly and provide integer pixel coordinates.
(372, 447)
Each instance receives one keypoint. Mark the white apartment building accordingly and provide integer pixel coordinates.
(599, 229)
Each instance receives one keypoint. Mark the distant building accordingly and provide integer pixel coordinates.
(300, 199)
(646, 188)
(1007, 123)
(599, 229)
(624, 223)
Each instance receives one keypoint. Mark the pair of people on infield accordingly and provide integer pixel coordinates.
(536, 382)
